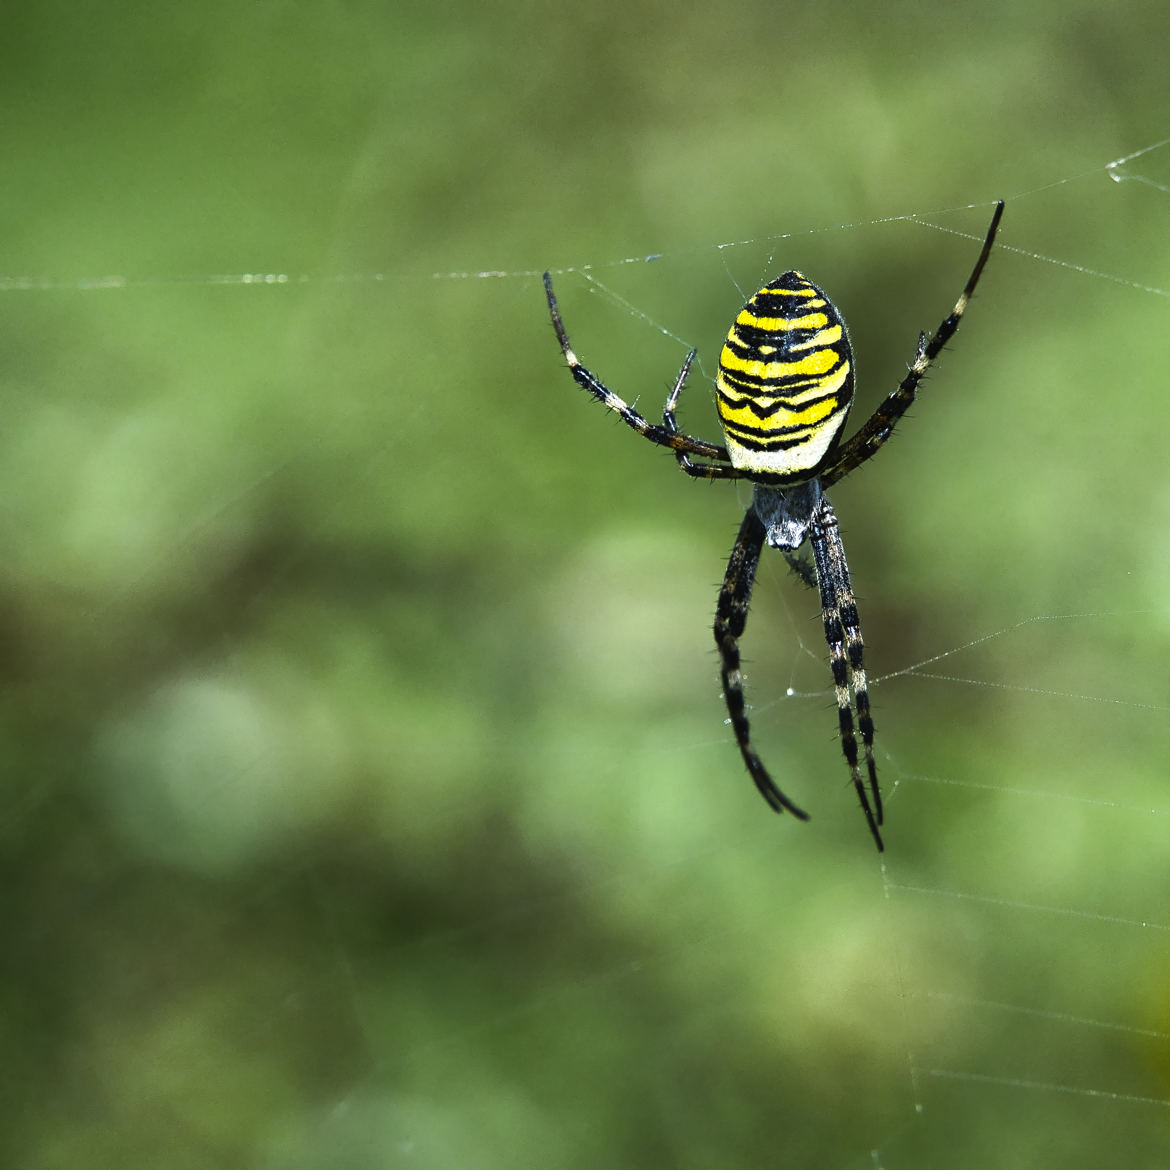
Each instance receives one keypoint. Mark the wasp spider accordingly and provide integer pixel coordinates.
(783, 391)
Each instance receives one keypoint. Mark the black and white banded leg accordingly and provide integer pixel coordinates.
(843, 635)
(665, 434)
(730, 618)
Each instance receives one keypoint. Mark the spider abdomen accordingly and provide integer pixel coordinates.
(785, 380)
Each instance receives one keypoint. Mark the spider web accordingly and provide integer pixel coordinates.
(1014, 1022)
(464, 844)
(1012, 1019)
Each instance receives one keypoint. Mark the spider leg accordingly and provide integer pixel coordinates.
(666, 435)
(722, 470)
(843, 634)
(873, 434)
(730, 619)
(801, 567)
(707, 470)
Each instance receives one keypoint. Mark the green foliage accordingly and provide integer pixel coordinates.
(368, 801)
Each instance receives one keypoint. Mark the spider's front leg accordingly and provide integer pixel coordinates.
(801, 567)
(843, 635)
(730, 619)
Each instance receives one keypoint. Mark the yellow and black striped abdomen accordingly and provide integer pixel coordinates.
(785, 380)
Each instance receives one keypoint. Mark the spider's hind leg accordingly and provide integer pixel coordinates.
(666, 435)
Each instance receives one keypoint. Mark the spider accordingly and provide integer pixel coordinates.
(783, 390)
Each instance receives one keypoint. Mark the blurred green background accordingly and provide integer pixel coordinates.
(367, 797)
